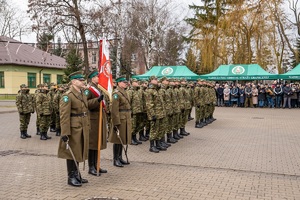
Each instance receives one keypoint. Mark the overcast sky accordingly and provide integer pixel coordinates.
(22, 6)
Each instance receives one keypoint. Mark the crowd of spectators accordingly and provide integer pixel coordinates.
(275, 95)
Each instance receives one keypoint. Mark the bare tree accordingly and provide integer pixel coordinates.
(56, 15)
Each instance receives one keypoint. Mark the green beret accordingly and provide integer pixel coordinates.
(121, 79)
(23, 86)
(164, 79)
(183, 80)
(93, 73)
(152, 78)
(134, 80)
(77, 75)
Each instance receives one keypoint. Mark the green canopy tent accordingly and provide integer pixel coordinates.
(169, 72)
(294, 74)
(239, 72)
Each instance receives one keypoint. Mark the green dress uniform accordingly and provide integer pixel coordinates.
(121, 119)
(94, 107)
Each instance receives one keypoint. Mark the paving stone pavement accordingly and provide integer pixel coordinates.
(245, 154)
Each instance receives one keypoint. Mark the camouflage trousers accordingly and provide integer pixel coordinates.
(53, 119)
(183, 118)
(24, 121)
(37, 122)
(170, 124)
(199, 112)
(163, 127)
(57, 120)
(146, 122)
(176, 120)
(45, 123)
(137, 123)
(155, 128)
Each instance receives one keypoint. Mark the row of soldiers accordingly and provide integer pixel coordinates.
(163, 107)
(45, 103)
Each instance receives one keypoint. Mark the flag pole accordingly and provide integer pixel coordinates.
(99, 138)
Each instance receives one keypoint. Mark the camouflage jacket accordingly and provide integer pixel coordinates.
(25, 102)
(135, 97)
(154, 103)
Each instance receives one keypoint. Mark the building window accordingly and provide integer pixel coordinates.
(59, 79)
(46, 78)
(31, 77)
(94, 58)
(1, 79)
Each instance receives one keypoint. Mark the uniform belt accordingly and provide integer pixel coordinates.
(84, 114)
(124, 110)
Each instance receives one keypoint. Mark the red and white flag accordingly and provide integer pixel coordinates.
(105, 75)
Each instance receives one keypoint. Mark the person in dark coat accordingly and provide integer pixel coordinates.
(75, 125)
(287, 94)
(261, 96)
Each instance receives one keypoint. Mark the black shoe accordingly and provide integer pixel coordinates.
(135, 139)
(170, 139)
(74, 182)
(185, 131)
(23, 136)
(116, 161)
(58, 132)
(120, 154)
(103, 171)
(175, 135)
(133, 142)
(159, 146)
(43, 137)
(182, 132)
(142, 137)
(25, 133)
(152, 147)
(72, 173)
(52, 128)
(38, 131)
(48, 137)
(93, 171)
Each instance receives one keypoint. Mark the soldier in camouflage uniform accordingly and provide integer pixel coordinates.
(185, 106)
(51, 93)
(24, 102)
(176, 109)
(199, 104)
(190, 89)
(146, 122)
(56, 102)
(44, 109)
(39, 86)
(171, 111)
(166, 98)
(135, 97)
(155, 113)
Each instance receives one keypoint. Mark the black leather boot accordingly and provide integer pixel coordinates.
(91, 162)
(58, 133)
(159, 146)
(96, 159)
(23, 136)
(163, 142)
(199, 124)
(72, 180)
(78, 176)
(147, 134)
(175, 135)
(136, 140)
(52, 128)
(43, 137)
(204, 122)
(116, 161)
(123, 162)
(25, 133)
(170, 139)
(46, 135)
(185, 131)
(142, 137)
(182, 132)
(153, 147)
(38, 131)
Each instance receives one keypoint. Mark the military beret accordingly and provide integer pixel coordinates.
(183, 80)
(152, 78)
(45, 85)
(93, 73)
(23, 86)
(164, 79)
(77, 75)
(121, 79)
(134, 80)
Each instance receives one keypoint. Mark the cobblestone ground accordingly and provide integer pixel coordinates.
(244, 154)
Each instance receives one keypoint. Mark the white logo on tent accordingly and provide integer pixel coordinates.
(167, 71)
(238, 70)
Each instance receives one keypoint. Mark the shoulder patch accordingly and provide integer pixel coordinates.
(86, 92)
(115, 96)
(65, 99)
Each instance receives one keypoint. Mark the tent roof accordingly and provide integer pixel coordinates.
(169, 72)
(294, 74)
(239, 72)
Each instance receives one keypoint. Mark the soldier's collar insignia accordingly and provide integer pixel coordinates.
(65, 99)
(86, 92)
(116, 96)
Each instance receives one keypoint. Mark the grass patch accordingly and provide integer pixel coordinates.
(8, 97)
